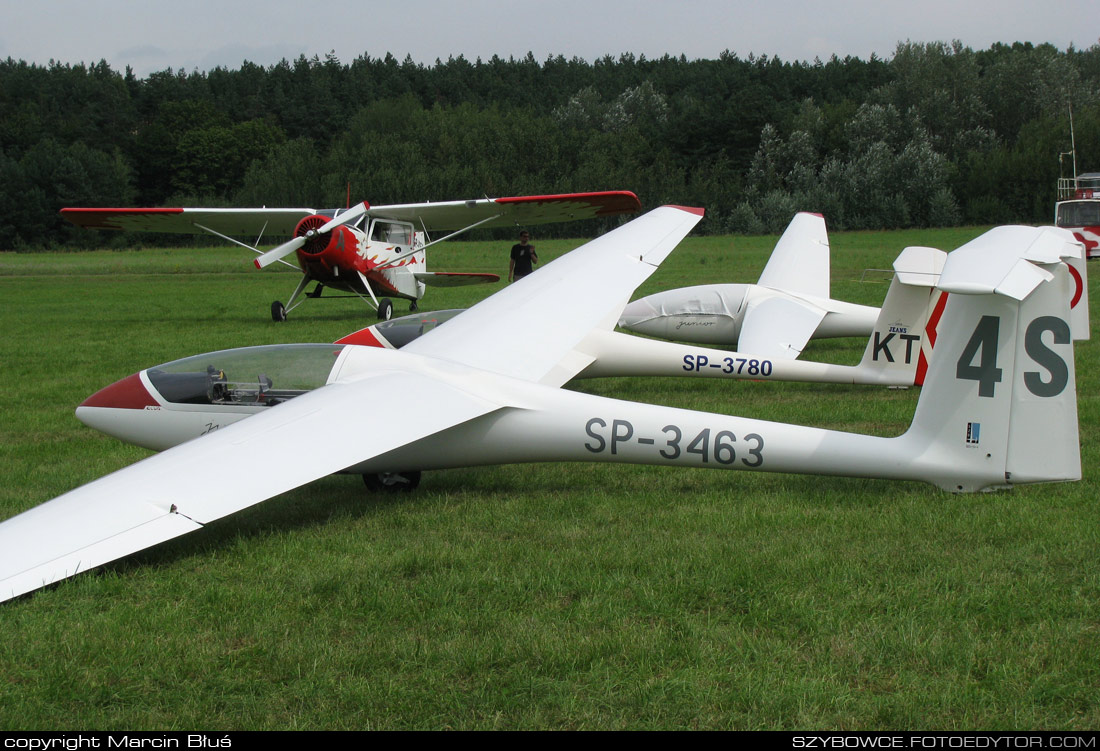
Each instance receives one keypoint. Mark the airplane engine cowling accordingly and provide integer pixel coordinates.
(335, 249)
(314, 245)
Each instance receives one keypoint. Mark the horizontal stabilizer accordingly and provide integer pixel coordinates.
(454, 278)
(983, 267)
(919, 266)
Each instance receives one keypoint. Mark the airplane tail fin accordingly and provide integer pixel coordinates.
(999, 406)
(800, 261)
(896, 344)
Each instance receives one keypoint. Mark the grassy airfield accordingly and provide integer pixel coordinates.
(580, 596)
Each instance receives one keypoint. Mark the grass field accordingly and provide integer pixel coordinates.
(579, 596)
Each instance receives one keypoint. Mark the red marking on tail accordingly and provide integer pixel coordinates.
(930, 337)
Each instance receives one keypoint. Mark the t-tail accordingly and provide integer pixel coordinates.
(999, 405)
(901, 342)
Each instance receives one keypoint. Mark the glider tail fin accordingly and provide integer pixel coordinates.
(999, 406)
(800, 261)
(897, 344)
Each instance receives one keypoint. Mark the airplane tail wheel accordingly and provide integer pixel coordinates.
(278, 312)
(392, 482)
(385, 309)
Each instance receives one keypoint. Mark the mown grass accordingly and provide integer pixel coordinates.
(580, 596)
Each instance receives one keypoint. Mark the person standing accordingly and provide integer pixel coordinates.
(523, 258)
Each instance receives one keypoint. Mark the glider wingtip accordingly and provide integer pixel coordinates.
(689, 209)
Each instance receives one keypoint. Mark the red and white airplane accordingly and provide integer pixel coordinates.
(789, 305)
(998, 408)
(374, 252)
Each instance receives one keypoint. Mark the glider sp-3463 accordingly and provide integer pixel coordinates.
(165, 405)
(998, 407)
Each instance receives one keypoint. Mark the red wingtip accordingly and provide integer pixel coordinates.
(689, 209)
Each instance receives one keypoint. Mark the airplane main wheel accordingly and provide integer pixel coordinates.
(385, 309)
(413, 307)
(392, 482)
(278, 312)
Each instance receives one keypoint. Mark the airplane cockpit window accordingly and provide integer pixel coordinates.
(401, 331)
(261, 376)
(391, 233)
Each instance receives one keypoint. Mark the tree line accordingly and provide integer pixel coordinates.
(937, 135)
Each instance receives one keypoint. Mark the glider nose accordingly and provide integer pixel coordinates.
(111, 409)
(639, 317)
(703, 314)
(128, 393)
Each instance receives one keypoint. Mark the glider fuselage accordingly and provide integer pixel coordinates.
(714, 313)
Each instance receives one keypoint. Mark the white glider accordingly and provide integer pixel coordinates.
(998, 407)
(775, 317)
(166, 405)
(789, 304)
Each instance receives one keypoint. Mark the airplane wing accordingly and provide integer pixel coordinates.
(778, 327)
(181, 489)
(515, 211)
(454, 278)
(800, 261)
(243, 222)
(530, 329)
(279, 222)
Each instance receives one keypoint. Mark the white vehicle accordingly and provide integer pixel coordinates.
(998, 407)
(1078, 209)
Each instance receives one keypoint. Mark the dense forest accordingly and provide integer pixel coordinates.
(937, 135)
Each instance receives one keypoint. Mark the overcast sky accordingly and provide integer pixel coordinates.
(151, 35)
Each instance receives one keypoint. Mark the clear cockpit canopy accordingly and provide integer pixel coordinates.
(261, 376)
(401, 331)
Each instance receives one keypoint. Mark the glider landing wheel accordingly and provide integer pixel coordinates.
(413, 307)
(392, 482)
(385, 309)
(278, 312)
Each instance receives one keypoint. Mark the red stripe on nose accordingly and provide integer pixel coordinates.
(129, 393)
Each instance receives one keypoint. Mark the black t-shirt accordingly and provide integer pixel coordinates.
(521, 254)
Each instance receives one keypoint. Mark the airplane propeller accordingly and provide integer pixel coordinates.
(292, 245)
(278, 253)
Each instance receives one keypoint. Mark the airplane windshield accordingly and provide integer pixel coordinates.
(1079, 214)
(263, 376)
(401, 331)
